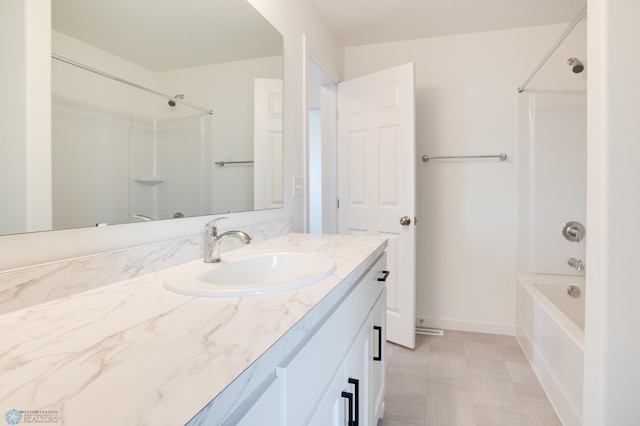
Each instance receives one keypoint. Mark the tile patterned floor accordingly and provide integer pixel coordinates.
(464, 379)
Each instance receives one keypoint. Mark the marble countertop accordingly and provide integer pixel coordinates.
(134, 353)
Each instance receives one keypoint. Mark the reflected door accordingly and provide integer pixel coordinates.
(267, 144)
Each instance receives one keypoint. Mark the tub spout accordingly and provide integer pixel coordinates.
(576, 264)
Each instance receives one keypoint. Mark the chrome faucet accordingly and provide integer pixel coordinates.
(576, 264)
(212, 240)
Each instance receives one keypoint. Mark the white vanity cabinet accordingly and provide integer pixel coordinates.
(336, 374)
(331, 377)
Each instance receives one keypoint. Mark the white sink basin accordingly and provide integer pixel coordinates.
(249, 274)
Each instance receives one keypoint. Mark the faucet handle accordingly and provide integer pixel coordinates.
(576, 264)
(212, 226)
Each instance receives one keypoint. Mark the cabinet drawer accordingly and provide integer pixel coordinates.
(379, 277)
(307, 375)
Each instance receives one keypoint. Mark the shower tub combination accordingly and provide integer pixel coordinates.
(550, 329)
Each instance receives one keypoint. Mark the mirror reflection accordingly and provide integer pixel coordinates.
(162, 110)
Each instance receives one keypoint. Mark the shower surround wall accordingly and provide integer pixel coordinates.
(187, 144)
(123, 157)
(552, 180)
(552, 191)
(90, 147)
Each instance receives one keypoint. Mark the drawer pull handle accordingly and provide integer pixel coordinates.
(356, 383)
(384, 278)
(349, 397)
(379, 330)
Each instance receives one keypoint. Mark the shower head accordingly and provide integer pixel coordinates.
(576, 65)
(172, 103)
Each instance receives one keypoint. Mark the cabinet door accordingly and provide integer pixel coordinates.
(333, 407)
(357, 364)
(378, 356)
(346, 401)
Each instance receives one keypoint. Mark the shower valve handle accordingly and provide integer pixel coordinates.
(573, 231)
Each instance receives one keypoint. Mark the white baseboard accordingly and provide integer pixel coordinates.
(465, 325)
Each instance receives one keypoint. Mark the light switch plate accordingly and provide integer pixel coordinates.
(298, 187)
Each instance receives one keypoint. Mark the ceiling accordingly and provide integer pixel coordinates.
(163, 35)
(358, 22)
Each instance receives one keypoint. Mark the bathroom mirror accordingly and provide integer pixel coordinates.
(132, 138)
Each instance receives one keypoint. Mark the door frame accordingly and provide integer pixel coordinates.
(329, 142)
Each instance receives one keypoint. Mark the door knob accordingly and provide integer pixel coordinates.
(405, 221)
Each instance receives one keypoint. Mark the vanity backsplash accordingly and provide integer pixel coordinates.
(23, 287)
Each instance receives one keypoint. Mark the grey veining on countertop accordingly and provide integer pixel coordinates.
(134, 353)
(37, 284)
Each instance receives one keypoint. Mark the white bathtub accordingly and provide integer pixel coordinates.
(550, 329)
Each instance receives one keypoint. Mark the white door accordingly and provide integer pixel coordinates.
(376, 180)
(267, 144)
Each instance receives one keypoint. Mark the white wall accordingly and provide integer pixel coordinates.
(297, 18)
(25, 170)
(612, 347)
(13, 128)
(467, 103)
(292, 18)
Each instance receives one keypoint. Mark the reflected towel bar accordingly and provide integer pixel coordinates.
(502, 157)
(222, 163)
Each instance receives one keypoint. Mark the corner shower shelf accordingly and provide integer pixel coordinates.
(149, 180)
